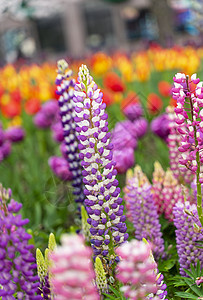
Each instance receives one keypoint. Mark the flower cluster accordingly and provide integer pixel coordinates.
(43, 268)
(11, 135)
(48, 115)
(136, 270)
(185, 215)
(180, 172)
(102, 201)
(189, 119)
(17, 261)
(124, 138)
(72, 270)
(143, 211)
(60, 167)
(160, 126)
(157, 186)
(65, 89)
(189, 116)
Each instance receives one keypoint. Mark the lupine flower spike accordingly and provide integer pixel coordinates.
(161, 286)
(136, 270)
(103, 203)
(172, 193)
(143, 211)
(72, 270)
(180, 172)
(17, 262)
(188, 92)
(157, 187)
(185, 217)
(65, 85)
(101, 279)
(43, 265)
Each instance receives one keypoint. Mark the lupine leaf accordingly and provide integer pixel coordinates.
(186, 295)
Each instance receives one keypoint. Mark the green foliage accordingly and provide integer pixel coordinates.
(190, 290)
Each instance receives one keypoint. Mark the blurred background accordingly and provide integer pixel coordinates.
(44, 29)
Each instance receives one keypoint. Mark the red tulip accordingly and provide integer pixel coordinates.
(164, 88)
(32, 106)
(107, 97)
(11, 109)
(154, 103)
(113, 82)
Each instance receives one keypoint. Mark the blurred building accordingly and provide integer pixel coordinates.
(75, 27)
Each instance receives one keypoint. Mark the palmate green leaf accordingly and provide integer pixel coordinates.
(198, 268)
(109, 297)
(177, 282)
(197, 290)
(193, 270)
(167, 265)
(190, 274)
(186, 295)
(116, 292)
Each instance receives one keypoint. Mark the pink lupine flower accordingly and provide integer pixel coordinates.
(157, 186)
(72, 270)
(180, 172)
(136, 270)
(172, 193)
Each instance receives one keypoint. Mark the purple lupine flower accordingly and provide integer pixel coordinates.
(124, 159)
(2, 135)
(44, 288)
(17, 261)
(160, 126)
(181, 173)
(65, 87)
(143, 211)
(140, 127)
(133, 111)
(48, 114)
(124, 136)
(57, 132)
(185, 215)
(60, 167)
(15, 134)
(72, 270)
(103, 203)
(136, 270)
(5, 150)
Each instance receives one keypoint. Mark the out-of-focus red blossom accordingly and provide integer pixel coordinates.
(107, 97)
(32, 106)
(1, 91)
(56, 96)
(154, 103)
(164, 88)
(113, 82)
(132, 98)
(16, 96)
(11, 109)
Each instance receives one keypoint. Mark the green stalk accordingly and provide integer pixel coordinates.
(199, 190)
